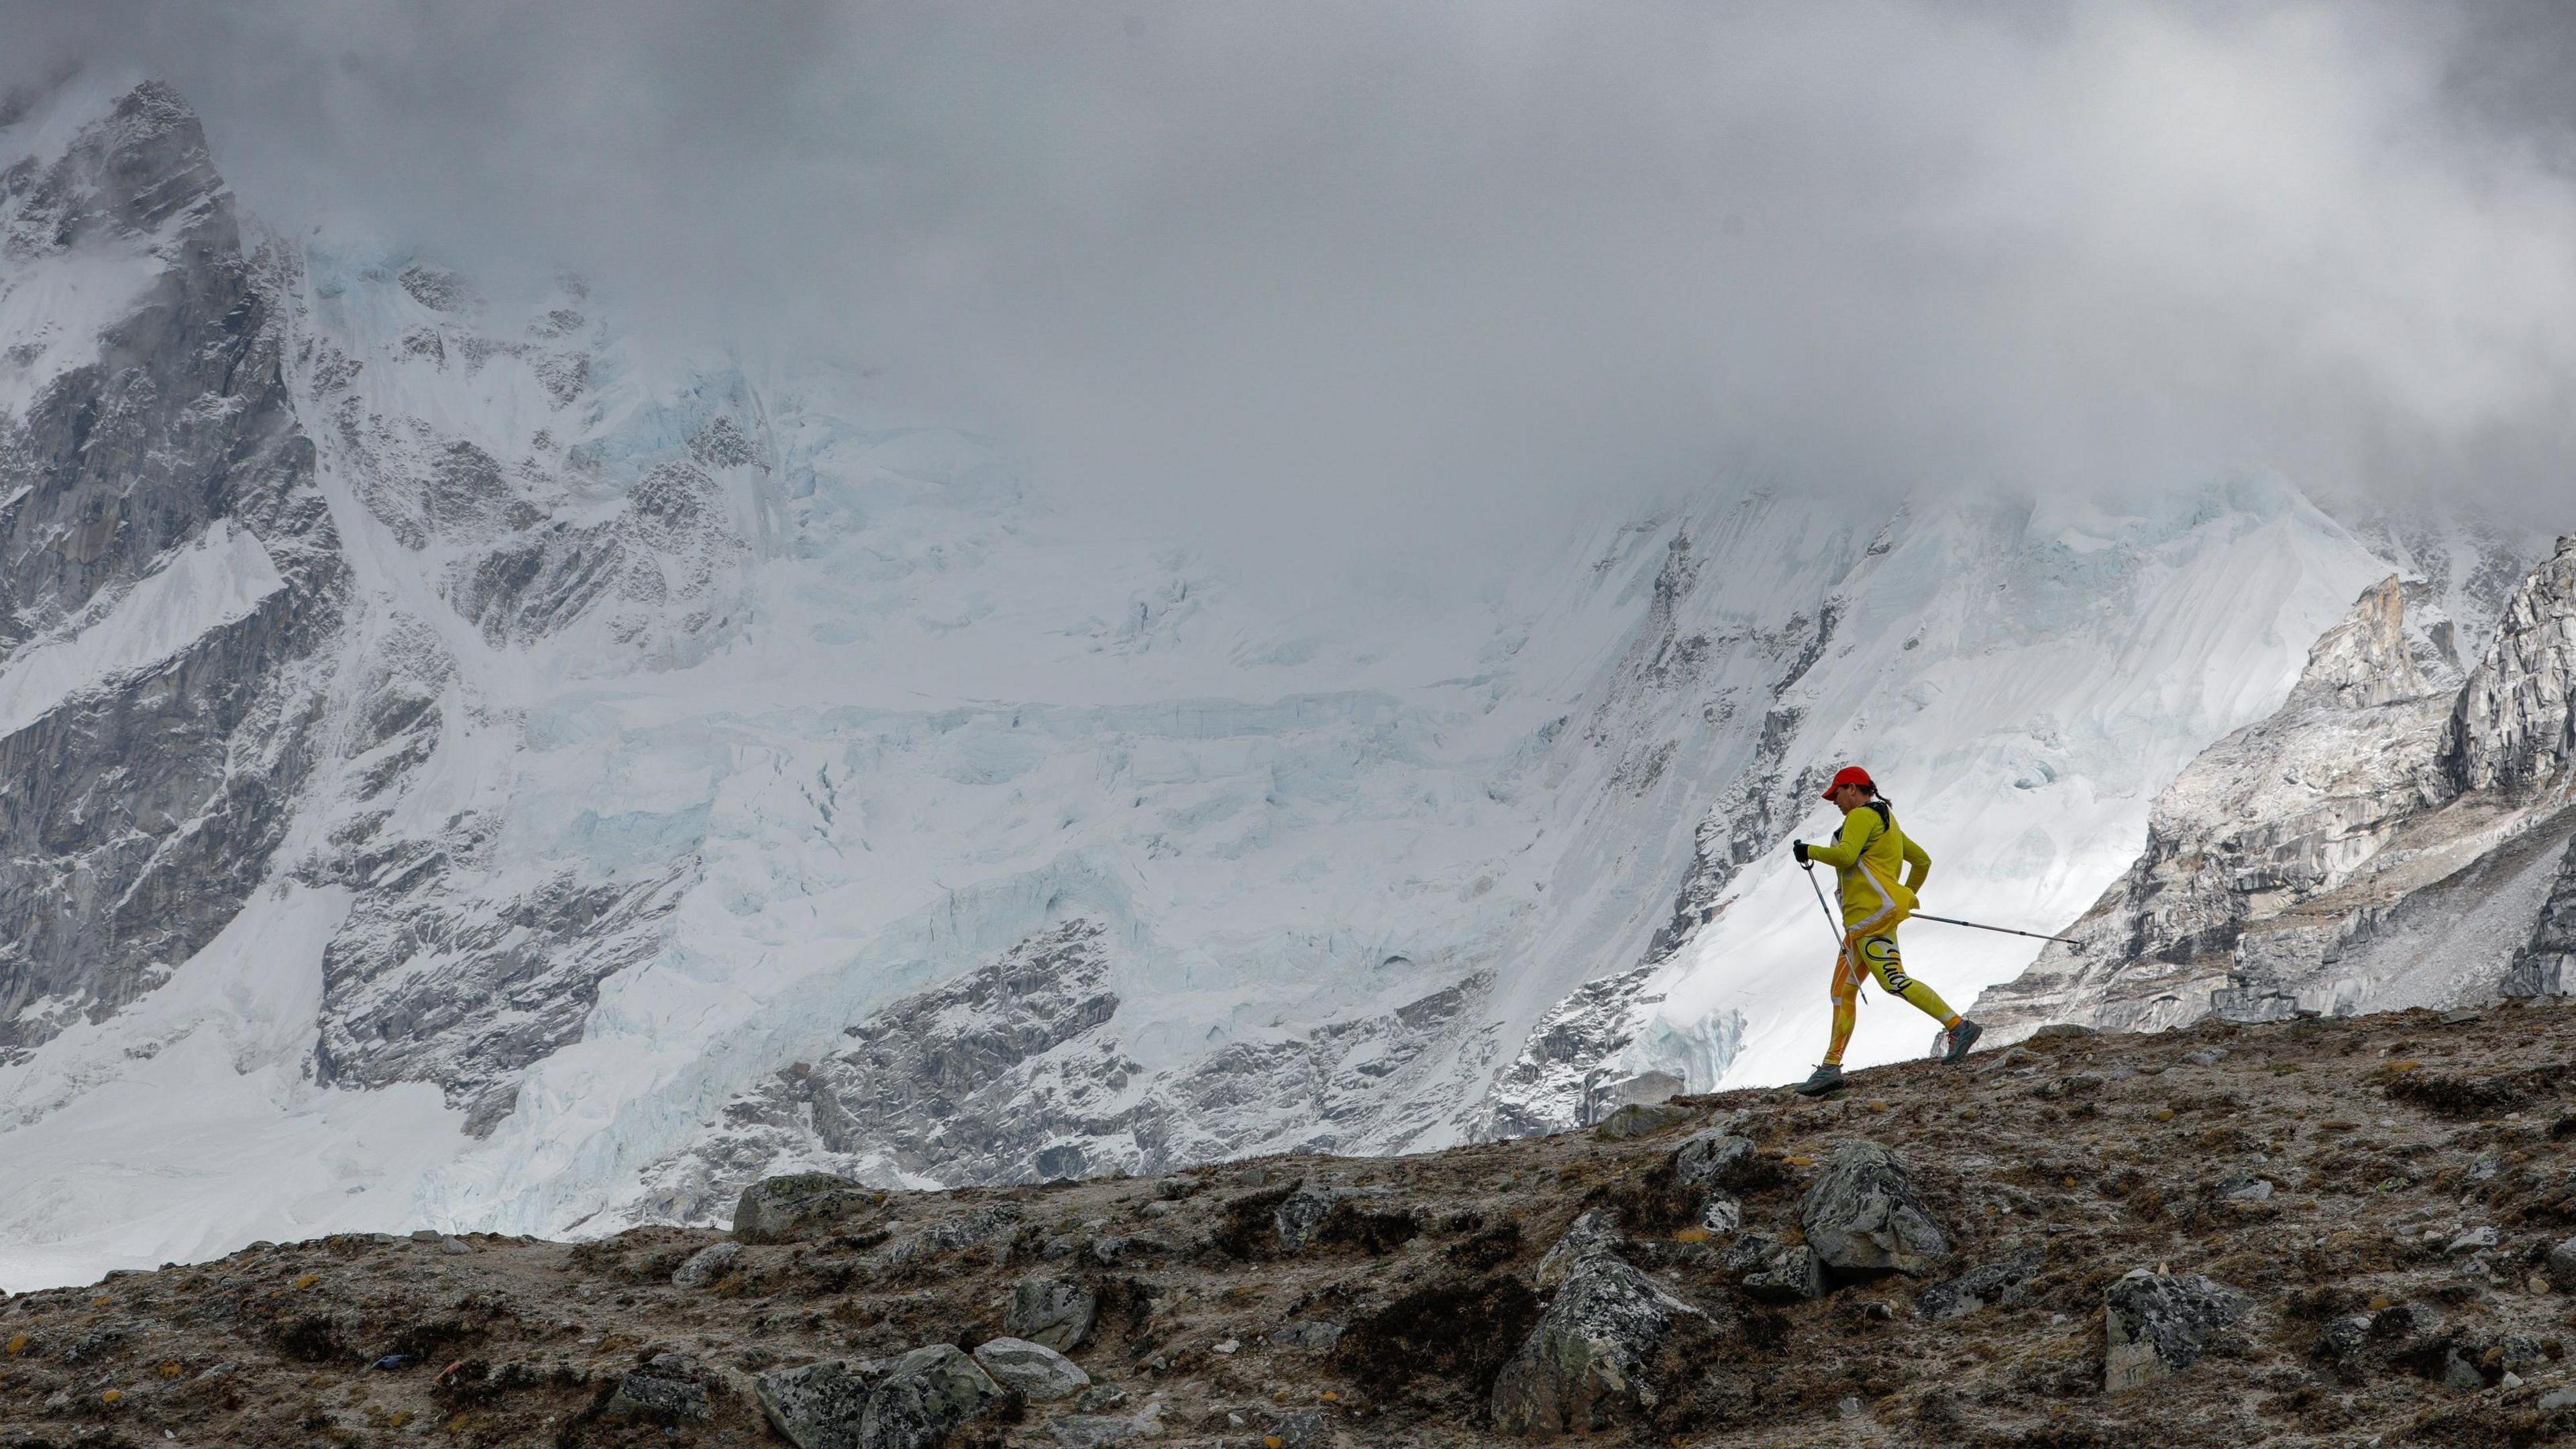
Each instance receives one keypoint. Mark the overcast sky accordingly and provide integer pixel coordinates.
(1419, 268)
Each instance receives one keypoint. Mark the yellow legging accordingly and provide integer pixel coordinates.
(1878, 951)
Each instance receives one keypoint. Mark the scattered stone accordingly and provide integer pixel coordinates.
(2461, 1376)
(2062, 1031)
(2252, 1189)
(2471, 1241)
(1643, 1119)
(424, 1235)
(1984, 1286)
(1055, 1313)
(1307, 1333)
(1099, 1397)
(1297, 1429)
(1033, 1370)
(815, 1406)
(1720, 1214)
(1586, 1236)
(455, 1247)
(1585, 1366)
(706, 1265)
(928, 1393)
(2462, 1017)
(2156, 1325)
(2344, 1342)
(2205, 1057)
(2557, 1399)
(779, 1209)
(1863, 1219)
(2561, 1266)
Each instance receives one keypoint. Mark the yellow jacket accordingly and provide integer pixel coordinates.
(1867, 857)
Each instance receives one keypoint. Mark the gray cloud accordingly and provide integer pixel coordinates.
(1403, 271)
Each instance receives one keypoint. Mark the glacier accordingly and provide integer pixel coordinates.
(612, 733)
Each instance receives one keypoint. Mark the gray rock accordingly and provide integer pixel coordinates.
(1302, 1212)
(2254, 1189)
(2205, 1057)
(1311, 1334)
(1791, 1274)
(1586, 1365)
(1032, 1370)
(1983, 1286)
(1055, 1313)
(2557, 1399)
(2344, 1343)
(706, 1265)
(1086, 1431)
(2461, 1376)
(662, 1396)
(1642, 1119)
(455, 1247)
(1862, 1218)
(927, 1393)
(1721, 1214)
(1299, 1428)
(2561, 1266)
(1588, 1235)
(1712, 1158)
(2156, 1325)
(782, 1209)
(2471, 1241)
(2063, 1031)
(815, 1406)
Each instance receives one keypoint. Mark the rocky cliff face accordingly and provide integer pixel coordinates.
(170, 577)
(2373, 844)
(2513, 730)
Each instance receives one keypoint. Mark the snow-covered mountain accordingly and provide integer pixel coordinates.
(470, 769)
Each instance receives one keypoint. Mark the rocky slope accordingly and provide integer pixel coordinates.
(2310, 1233)
(2380, 841)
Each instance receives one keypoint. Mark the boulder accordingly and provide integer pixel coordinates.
(1713, 1158)
(781, 1209)
(1587, 1364)
(1032, 1370)
(2343, 1346)
(1644, 1119)
(2156, 1325)
(669, 1390)
(1054, 1313)
(1862, 1217)
(1300, 1213)
(1585, 1236)
(1720, 1214)
(928, 1392)
(1980, 1287)
(815, 1406)
(706, 1265)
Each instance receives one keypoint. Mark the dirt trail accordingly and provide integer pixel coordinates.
(2332, 1173)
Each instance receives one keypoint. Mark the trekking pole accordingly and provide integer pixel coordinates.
(1831, 924)
(1982, 926)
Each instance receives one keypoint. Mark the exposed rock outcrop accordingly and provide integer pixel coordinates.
(2375, 843)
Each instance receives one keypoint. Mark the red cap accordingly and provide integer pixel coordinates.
(1849, 775)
